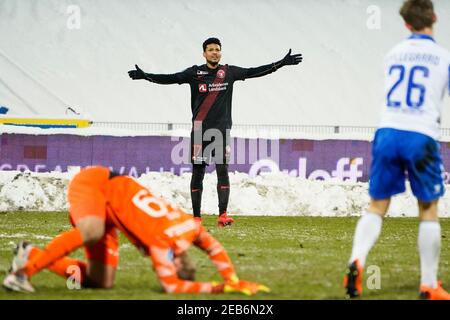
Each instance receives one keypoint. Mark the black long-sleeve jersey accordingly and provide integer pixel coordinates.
(212, 90)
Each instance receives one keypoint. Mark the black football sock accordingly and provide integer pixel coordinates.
(198, 173)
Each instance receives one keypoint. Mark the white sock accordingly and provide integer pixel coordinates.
(429, 249)
(367, 232)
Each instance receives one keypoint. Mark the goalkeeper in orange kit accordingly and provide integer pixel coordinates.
(101, 203)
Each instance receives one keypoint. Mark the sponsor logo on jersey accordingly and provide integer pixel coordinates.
(221, 74)
(202, 87)
(200, 72)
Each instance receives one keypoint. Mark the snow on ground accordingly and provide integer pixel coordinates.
(268, 194)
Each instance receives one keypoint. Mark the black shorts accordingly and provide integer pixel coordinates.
(207, 149)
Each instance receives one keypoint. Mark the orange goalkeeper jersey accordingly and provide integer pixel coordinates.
(156, 227)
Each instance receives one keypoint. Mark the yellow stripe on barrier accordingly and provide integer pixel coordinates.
(47, 123)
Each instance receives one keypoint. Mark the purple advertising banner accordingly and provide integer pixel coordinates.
(314, 159)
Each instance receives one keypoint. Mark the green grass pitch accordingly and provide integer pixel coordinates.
(297, 257)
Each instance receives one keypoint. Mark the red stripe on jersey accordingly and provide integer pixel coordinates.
(209, 101)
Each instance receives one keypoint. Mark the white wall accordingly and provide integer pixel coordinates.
(339, 82)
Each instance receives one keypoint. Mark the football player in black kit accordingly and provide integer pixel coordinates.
(211, 93)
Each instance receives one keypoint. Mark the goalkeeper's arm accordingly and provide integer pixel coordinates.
(216, 254)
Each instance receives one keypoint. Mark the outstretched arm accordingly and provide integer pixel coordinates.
(166, 269)
(138, 74)
(289, 59)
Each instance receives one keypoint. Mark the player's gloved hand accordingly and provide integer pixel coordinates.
(245, 287)
(291, 59)
(137, 74)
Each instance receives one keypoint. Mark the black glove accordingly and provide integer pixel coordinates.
(137, 74)
(291, 59)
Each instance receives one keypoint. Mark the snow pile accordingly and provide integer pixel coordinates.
(272, 194)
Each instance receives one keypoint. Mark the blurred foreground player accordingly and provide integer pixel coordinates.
(211, 95)
(102, 203)
(417, 76)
